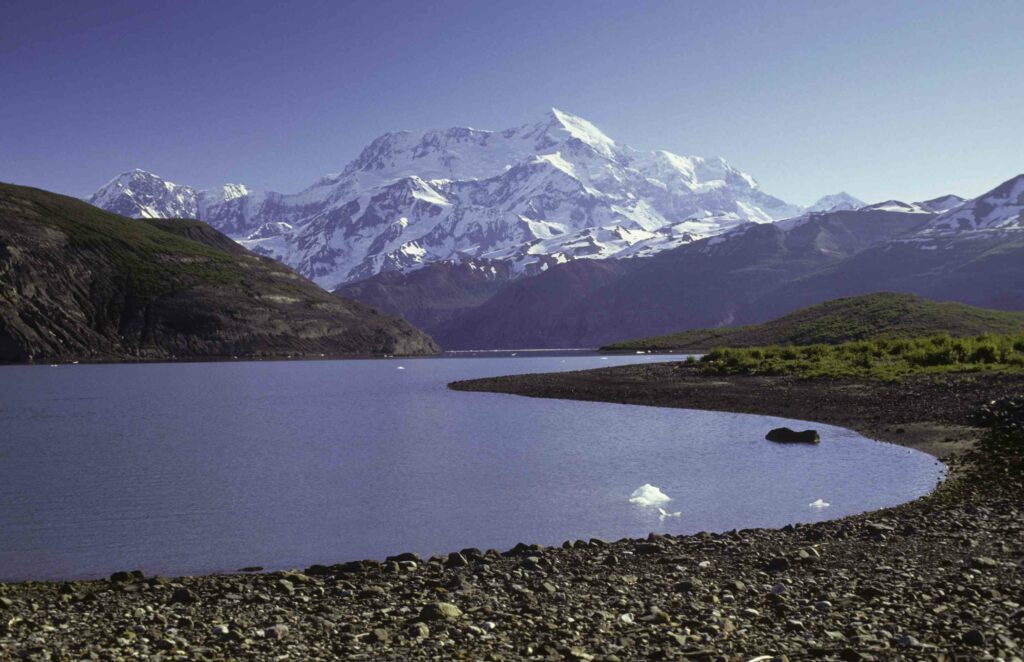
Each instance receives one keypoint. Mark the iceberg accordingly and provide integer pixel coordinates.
(648, 495)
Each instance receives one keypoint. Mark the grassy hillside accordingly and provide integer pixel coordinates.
(871, 316)
(885, 359)
(79, 283)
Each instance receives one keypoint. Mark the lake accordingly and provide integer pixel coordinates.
(207, 467)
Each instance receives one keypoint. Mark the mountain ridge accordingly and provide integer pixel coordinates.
(750, 274)
(539, 194)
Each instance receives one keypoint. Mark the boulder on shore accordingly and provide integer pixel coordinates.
(788, 436)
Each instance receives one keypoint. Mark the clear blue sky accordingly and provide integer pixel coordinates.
(882, 99)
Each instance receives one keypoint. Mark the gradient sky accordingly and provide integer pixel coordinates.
(885, 100)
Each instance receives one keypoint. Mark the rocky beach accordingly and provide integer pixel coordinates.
(940, 578)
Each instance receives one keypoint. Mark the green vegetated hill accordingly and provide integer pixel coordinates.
(79, 283)
(880, 358)
(879, 315)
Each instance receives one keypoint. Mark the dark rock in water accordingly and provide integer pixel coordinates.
(251, 568)
(788, 436)
(129, 576)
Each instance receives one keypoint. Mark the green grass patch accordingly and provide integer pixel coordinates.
(885, 359)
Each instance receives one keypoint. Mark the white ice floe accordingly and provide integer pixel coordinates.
(662, 513)
(820, 503)
(401, 367)
(648, 495)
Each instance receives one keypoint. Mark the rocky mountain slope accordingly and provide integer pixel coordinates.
(434, 294)
(80, 283)
(758, 272)
(709, 283)
(870, 316)
(541, 194)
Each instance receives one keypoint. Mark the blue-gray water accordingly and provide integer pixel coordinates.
(207, 467)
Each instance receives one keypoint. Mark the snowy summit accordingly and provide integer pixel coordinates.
(549, 191)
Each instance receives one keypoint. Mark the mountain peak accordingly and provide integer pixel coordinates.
(140, 193)
(943, 203)
(1001, 209)
(551, 190)
(841, 201)
(133, 175)
(583, 130)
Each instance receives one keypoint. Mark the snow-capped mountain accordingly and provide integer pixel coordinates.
(1001, 209)
(942, 203)
(141, 194)
(841, 201)
(546, 192)
(937, 205)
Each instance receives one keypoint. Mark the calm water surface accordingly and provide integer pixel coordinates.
(206, 467)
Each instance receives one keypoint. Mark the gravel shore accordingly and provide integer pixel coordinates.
(941, 578)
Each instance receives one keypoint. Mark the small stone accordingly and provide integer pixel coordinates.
(778, 564)
(436, 611)
(220, 630)
(379, 636)
(279, 631)
(371, 592)
(750, 613)
(657, 615)
(678, 638)
(183, 596)
(456, 560)
(974, 638)
(419, 630)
